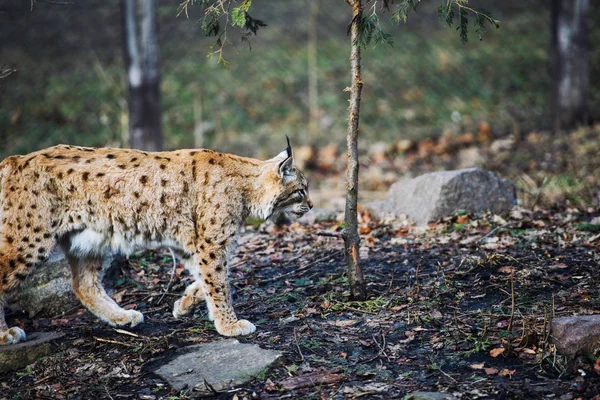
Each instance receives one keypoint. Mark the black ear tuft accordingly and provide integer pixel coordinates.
(289, 147)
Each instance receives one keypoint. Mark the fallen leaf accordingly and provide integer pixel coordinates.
(507, 372)
(461, 219)
(506, 270)
(477, 366)
(497, 351)
(597, 367)
(491, 371)
(364, 230)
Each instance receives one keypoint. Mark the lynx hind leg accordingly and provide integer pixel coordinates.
(9, 335)
(87, 285)
(192, 296)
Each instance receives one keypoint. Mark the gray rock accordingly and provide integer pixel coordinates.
(223, 365)
(47, 291)
(318, 215)
(432, 196)
(429, 396)
(17, 356)
(576, 335)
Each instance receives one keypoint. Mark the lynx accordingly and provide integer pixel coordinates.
(85, 201)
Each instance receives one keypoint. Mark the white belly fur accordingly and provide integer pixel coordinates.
(89, 241)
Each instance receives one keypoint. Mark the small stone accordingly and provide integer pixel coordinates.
(222, 365)
(429, 396)
(576, 335)
(17, 356)
(435, 195)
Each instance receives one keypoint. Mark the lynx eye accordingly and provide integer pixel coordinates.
(300, 192)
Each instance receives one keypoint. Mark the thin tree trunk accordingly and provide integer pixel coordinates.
(313, 95)
(143, 75)
(350, 233)
(570, 67)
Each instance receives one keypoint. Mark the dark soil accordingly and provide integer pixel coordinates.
(440, 309)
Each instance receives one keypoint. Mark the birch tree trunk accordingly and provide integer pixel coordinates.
(143, 74)
(570, 66)
(350, 232)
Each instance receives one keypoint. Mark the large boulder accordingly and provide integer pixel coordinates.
(435, 195)
(576, 335)
(47, 291)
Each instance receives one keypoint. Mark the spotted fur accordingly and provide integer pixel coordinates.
(89, 200)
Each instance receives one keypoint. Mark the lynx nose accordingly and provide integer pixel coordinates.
(310, 204)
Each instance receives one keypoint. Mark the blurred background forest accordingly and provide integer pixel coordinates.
(428, 102)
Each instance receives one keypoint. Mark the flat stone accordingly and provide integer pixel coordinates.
(223, 365)
(429, 396)
(37, 345)
(435, 195)
(576, 335)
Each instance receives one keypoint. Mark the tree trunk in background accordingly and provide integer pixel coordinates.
(570, 69)
(198, 127)
(350, 234)
(143, 74)
(313, 95)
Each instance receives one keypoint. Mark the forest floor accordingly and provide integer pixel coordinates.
(462, 308)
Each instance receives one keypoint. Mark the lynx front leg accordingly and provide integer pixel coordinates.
(87, 285)
(213, 279)
(193, 295)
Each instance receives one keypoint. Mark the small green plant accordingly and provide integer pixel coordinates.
(292, 368)
(28, 371)
(587, 227)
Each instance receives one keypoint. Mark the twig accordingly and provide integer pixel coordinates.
(111, 341)
(170, 279)
(124, 332)
(209, 387)
(494, 230)
(298, 346)
(512, 300)
(108, 393)
(337, 235)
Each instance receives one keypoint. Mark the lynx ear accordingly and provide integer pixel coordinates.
(289, 148)
(286, 168)
(287, 153)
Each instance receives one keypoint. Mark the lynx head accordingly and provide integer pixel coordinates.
(286, 188)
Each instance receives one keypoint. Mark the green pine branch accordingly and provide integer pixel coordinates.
(449, 12)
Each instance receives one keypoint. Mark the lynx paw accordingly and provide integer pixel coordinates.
(242, 327)
(128, 317)
(180, 310)
(12, 336)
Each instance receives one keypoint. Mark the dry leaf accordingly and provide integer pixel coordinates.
(491, 371)
(477, 366)
(597, 367)
(497, 351)
(507, 372)
(506, 270)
